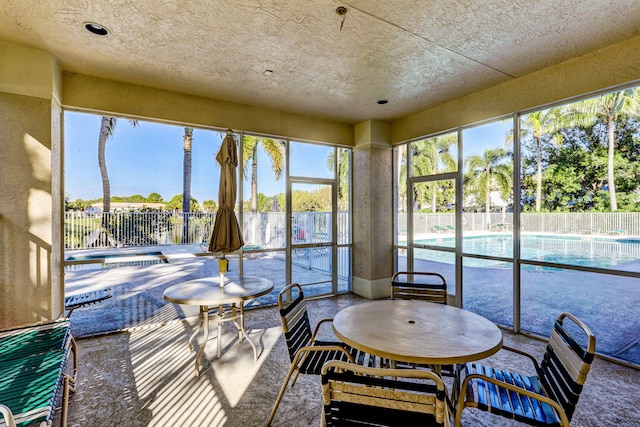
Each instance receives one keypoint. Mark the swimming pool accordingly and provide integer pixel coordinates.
(112, 260)
(581, 251)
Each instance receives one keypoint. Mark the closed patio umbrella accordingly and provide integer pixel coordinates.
(226, 236)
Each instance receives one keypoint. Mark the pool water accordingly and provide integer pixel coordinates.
(591, 252)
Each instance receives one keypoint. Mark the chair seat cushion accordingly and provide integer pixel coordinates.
(500, 401)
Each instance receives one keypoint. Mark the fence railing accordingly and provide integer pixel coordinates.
(261, 230)
(612, 223)
(267, 230)
(120, 229)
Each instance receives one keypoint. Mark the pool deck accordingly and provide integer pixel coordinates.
(137, 290)
(607, 303)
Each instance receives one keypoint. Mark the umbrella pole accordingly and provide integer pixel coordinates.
(223, 263)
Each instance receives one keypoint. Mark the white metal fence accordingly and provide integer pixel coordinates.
(120, 229)
(262, 231)
(616, 223)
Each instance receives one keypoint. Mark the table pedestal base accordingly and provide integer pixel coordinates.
(234, 313)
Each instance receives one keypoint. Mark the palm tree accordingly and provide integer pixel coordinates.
(344, 165)
(488, 172)
(107, 127)
(430, 157)
(538, 125)
(607, 109)
(275, 152)
(187, 139)
(401, 177)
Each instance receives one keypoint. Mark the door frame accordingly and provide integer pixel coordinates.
(332, 244)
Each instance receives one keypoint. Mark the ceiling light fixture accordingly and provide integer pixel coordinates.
(97, 29)
(382, 101)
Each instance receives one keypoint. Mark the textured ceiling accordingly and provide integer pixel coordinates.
(416, 54)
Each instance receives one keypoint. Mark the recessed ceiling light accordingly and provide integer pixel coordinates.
(94, 28)
(381, 101)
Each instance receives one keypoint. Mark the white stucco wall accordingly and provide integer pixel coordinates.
(30, 282)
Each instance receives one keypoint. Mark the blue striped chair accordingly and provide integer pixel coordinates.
(307, 354)
(547, 398)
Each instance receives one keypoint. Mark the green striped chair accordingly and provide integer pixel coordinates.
(33, 373)
(307, 354)
(547, 398)
(355, 395)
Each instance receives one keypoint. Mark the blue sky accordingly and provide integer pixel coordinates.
(148, 159)
(139, 160)
(491, 135)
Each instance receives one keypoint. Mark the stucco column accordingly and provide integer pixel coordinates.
(372, 210)
(31, 199)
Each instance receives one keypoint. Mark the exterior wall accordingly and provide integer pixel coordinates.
(30, 245)
(94, 94)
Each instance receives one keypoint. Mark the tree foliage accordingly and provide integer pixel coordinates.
(567, 161)
(175, 204)
(275, 151)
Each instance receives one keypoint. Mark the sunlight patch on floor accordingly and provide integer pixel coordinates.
(236, 369)
(163, 369)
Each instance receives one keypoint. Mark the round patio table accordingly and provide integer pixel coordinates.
(230, 298)
(417, 332)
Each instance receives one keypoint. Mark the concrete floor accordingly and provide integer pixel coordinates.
(145, 377)
(141, 373)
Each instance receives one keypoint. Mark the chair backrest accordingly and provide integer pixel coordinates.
(357, 395)
(294, 317)
(566, 361)
(419, 285)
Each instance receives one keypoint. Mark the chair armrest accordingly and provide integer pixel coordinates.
(315, 331)
(307, 349)
(8, 416)
(523, 353)
(460, 405)
(73, 378)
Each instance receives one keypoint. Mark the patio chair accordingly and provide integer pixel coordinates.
(547, 398)
(72, 302)
(438, 229)
(451, 228)
(307, 354)
(33, 373)
(424, 286)
(617, 231)
(358, 395)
